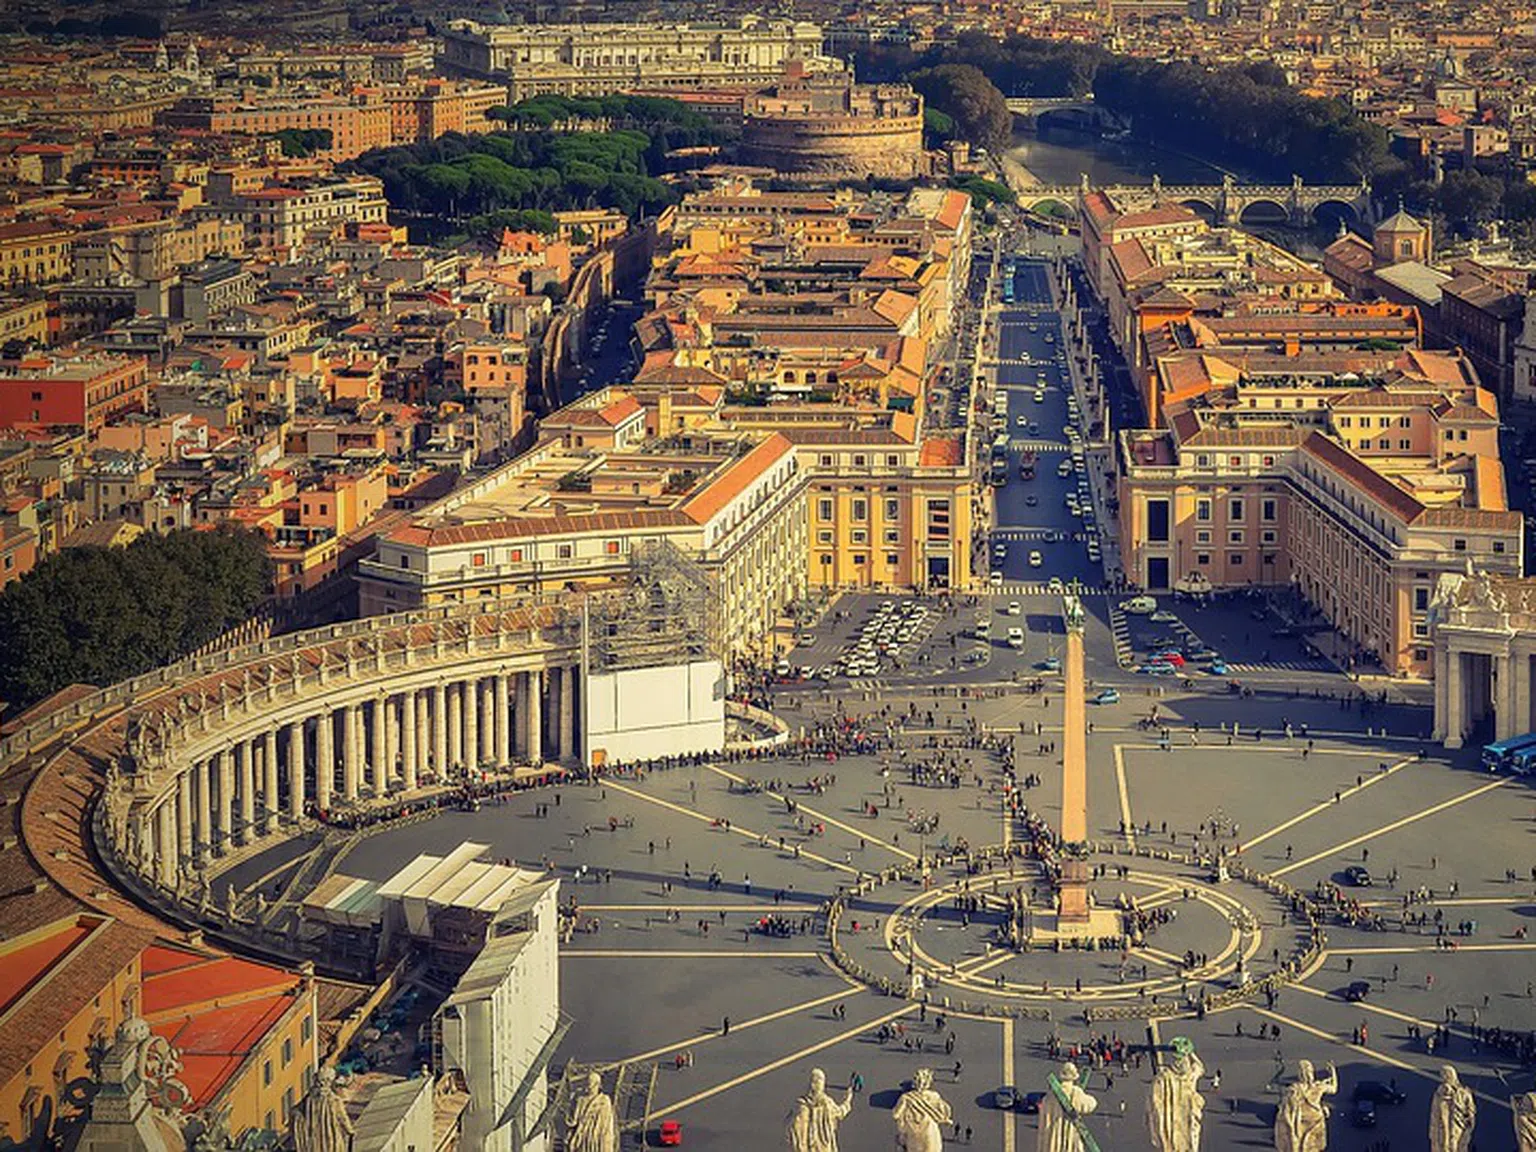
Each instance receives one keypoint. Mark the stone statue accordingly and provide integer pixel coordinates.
(320, 1122)
(1175, 1108)
(593, 1126)
(125, 1112)
(1452, 1114)
(1524, 1109)
(1061, 1113)
(813, 1124)
(1301, 1124)
(921, 1116)
(1072, 612)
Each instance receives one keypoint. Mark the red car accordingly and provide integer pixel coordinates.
(671, 1133)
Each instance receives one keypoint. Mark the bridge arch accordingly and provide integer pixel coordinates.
(1055, 207)
(1204, 208)
(1331, 211)
(1264, 211)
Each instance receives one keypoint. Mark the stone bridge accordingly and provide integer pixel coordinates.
(1296, 204)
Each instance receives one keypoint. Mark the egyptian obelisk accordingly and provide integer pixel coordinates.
(1073, 890)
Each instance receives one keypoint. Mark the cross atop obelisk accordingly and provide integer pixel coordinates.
(1074, 771)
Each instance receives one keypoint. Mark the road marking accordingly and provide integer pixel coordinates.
(774, 1066)
(769, 1018)
(664, 907)
(822, 816)
(744, 832)
(1394, 826)
(1125, 799)
(699, 954)
(1316, 808)
(1408, 949)
(1009, 1136)
(1498, 901)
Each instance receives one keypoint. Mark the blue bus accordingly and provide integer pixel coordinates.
(1008, 289)
(1516, 754)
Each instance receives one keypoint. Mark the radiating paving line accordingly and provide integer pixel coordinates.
(1316, 808)
(1394, 826)
(862, 834)
(767, 1018)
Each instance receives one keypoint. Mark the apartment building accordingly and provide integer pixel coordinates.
(44, 390)
(34, 252)
(357, 121)
(280, 217)
(1356, 486)
(567, 516)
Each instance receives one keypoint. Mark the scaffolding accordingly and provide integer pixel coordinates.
(668, 613)
(631, 1086)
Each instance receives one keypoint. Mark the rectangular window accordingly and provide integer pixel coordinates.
(1459, 545)
(477, 560)
(892, 559)
(1202, 558)
(893, 509)
(1420, 630)
(860, 559)
(611, 547)
(1235, 559)
(1235, 536)
(1498, 547)
(1268, 510)
(1234, 509)
(287, 1051)
(307, 1030)
(893, 536)
(287, 1104)
(1157, 520)
(1421, 599)
(515, 556)
(1202, 510)
(861, 510)
(824, 510)
(266, 1073)
(564, 551)
(1267, 537)
(824, 536)
(826, 460)
(1203, 536)
(860, 536)
(1269, 461)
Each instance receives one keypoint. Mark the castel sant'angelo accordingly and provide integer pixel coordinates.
(824, 125)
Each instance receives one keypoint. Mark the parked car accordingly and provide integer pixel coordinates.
(1036, 560)
(1357, 991)
(1217, 668)
(1358, 876)
(671, 1133)
(1016, 637)
(1014, 608)
(996, 579)
(1108, 696)
(1050, 664)
(1362, 1114)
(1005, 1096)
(1163, 616)
(1139, 605)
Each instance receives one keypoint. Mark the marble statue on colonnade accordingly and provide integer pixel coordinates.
(921, 1116)
(1062, 1112)
(1452, 1114)
(1524, 1109)
(1175, 1108)
(1301, 1124)
(813, 1123)
(593, 1126)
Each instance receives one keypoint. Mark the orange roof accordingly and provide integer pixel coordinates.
(736, 479)
(177, 984)
(214, 1044)
(20, 969)
(945, 453)
(953, 211)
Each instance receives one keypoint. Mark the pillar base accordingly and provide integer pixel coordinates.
(1072, 894)
(1453, 741)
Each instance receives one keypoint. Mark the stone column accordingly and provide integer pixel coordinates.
(408, 722)
(423, 733)
(167, 842)
(471, 691)
(184, 813)
(325, 759)
(223, 814)
(1455, 702)
(1442, 691)
(520, 696)
(503, 713)
(203, 831)
(1504, 719)
(391, 740)
(455, 728)
(488, 720)
(351, 722)
(440, 730)
(269, 790)
(296, 769)
(1520, 667)
(246, 788)
(535, 717)
(1073, 886)
(567, 733)
(378, 767)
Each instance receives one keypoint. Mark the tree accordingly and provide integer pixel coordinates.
(963, 93)
(96, 615)
(937, 125)
(1469, 199)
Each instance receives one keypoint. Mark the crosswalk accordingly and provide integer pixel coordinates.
(1120, 629)
(1044, 535)
(1283, 666)
(1039, 446)
(1042, 587)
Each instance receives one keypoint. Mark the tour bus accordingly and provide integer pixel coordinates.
(1516, 754)
(1008, 288)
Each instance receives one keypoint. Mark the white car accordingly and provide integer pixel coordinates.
(1022, 422)
(1015, 637)
(1036, 560)
(1014, 609)
(1039, 395)
(996, 579)
(1056, 585)
(1139, 605)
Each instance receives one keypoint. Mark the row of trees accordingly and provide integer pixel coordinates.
(962, 94)
(97, 615)
(460, 177)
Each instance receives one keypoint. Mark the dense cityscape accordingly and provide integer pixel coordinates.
(593, 576)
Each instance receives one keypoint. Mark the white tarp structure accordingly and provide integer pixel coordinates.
(642, 713)
(457, 880)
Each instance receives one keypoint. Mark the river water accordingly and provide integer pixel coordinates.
(1060, 156)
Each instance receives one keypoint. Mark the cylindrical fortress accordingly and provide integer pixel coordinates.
(826, 125)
